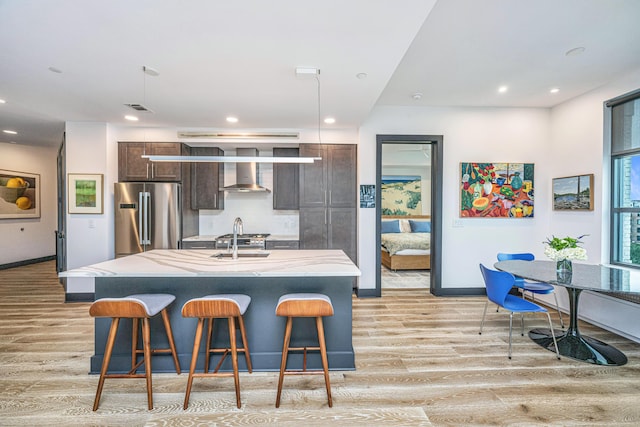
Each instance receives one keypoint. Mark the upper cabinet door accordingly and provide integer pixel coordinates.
(341, 176)
(313, 176)
(165, 171)
(133, 167)
(206, 180)
(286, 180)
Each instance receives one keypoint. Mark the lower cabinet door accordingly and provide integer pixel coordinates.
(282, 244)
(341, 231)
(313, 228)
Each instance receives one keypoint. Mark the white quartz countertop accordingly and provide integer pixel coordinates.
(202, 262)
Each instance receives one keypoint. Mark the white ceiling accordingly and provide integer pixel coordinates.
(239, 57)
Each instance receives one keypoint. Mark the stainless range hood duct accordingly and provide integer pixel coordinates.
(246, 174)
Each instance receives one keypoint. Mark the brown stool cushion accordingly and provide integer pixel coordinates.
(304, 305)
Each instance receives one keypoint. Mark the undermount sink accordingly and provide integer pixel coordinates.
(242, 254)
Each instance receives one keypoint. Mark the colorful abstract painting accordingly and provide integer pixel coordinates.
(496, 190)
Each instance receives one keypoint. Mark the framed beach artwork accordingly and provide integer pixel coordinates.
(574, 193)
(85, 193)
(401, 195)
(496, 190)
(19, 195)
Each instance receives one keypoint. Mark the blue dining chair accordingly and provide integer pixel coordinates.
(498, 284)
(532, 287)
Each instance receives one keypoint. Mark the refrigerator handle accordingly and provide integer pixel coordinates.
(140, 215)
(147, 225)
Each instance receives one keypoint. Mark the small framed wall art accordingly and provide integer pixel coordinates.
(573, 193)
(85, 193)
(19, 195)
(367, 196)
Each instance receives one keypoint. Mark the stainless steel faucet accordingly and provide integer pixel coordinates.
(237, 228)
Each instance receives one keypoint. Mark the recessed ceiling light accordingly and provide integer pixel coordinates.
(575, 51)
(55, 70)
(554, 90)
(416, 96)
(10, 132)
(503, 89)
(2, 101)
(329, 120)
(232, 119)
(361, 76)
(131, 118)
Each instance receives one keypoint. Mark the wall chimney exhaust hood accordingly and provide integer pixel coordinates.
(246, 174)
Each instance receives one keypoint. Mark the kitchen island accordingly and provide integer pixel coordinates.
(195, 273)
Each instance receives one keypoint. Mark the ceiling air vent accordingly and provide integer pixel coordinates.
(139, 107)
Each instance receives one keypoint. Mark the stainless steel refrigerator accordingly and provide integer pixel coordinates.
(148, 215)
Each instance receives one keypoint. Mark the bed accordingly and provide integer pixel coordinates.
(405, 242)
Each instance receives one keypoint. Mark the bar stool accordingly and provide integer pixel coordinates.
(231, 307)
(304, 305)
(135, 307)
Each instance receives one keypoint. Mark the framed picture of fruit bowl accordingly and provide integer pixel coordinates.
(19, 195)
(496, 190)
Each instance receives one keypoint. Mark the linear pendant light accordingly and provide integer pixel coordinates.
(230, 159)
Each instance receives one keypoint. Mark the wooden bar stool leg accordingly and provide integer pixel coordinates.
(194, 360)
(107, 358)
(234, 357)
(207, 349)
(245, 344)
(172, 344)
(285, 353)
(323, 353)
(146, 342)
(134, 342)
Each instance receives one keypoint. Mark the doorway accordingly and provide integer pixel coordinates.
(414, 161)
(60, 233)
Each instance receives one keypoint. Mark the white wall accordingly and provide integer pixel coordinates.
(578, 132)
(565, 140)
(470, 135)
(89, 237)
(26, 239)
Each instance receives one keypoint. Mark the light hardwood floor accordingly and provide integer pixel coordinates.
(420, 362)
(404, 279)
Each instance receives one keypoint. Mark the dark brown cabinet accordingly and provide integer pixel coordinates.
(330, 181)
(206, 180)
(328, 198)
(282, 244)
(198, 244)
(133, 167)
(286, 180)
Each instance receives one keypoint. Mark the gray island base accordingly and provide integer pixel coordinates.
(195, 273)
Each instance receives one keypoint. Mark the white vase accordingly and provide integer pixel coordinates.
(487, 188)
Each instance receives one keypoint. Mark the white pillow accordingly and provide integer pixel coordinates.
(405, 227)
